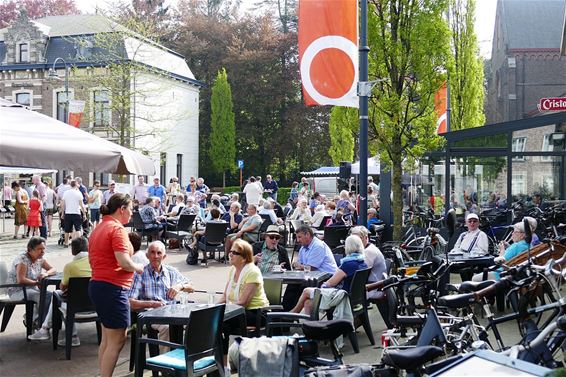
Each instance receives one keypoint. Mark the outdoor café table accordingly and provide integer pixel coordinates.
(176, 316)
(49, 280)
(308, 279)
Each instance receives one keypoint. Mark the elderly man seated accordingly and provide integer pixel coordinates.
(149, 217)
(267, 209)
(233, 217)
(248, 229)
(269, 253)
(158, 285)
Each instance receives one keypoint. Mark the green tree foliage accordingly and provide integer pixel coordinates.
(343, 127)
(466, 73)
(275, 132)
(409, 48)
(223, 130)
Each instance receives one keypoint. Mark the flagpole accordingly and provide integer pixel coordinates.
(364, 90)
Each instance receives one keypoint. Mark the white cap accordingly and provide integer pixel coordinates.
(472, 216)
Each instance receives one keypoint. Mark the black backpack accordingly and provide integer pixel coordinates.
(192, 256)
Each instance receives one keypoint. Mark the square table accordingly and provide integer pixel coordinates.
(308, 279)
(178, 315)
(49, 280)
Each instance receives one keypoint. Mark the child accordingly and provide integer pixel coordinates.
(35, 209)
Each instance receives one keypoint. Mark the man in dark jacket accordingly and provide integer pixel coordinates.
(269, 252)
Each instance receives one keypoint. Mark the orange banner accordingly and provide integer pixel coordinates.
(440, 105)
(76, 109)
(328, 52)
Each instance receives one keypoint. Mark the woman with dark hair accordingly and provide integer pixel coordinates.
(110, 254)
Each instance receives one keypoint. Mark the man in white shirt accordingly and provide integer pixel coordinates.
(73, 210)
(473, 243)
(139, 191)
(253, 192)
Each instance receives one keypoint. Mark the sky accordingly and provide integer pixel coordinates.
(485, 19)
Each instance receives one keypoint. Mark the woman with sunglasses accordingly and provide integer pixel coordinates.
(269, 252)
(244, 288)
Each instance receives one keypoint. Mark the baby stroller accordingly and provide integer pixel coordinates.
(86, 225)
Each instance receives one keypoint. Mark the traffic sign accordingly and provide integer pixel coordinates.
(240, 164)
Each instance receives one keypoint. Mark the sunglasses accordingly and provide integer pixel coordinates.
(272, 236)
(235, 252)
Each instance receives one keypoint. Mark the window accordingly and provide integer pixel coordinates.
(61, 104)
(23, 99)
(518, 184)
(163, 167)
(101, 108)
(547, 146)
(180, 167)
(24, 52)
(519, 146)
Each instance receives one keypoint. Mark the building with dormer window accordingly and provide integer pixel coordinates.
(133, 91)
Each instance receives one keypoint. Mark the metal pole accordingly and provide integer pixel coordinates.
(66, 93)
(364, 94)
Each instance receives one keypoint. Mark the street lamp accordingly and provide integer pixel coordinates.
(52, 75)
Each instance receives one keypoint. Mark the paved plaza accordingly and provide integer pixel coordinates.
(21, 358)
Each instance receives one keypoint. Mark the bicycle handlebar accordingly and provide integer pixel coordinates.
(382, 283)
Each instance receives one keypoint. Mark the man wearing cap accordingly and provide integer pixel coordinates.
(473, 242)
(269, 253)
(108, 193)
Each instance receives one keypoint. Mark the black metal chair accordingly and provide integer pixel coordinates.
(200, 352)
(324, 222)
(139, 227)
(263, 228)
(7, 305)
(79, 309)
(359, 305)
(182, 229)
(151, 333)
(335, 235)
(214, 235)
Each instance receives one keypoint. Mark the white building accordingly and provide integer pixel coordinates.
(136, 92)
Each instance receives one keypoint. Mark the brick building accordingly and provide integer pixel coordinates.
(136, 92)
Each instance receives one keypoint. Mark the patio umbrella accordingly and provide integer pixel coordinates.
(31, 139)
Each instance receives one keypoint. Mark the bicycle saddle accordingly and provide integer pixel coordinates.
(326, 330)
(411, 358)
(456, 301)
(561, 322)
(473, 286)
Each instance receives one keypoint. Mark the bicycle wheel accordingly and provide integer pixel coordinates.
(416, 243)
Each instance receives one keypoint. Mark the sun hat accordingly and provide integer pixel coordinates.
(472, 216)
(272, 230)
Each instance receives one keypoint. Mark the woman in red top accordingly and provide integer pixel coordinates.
(110, 254)
(34, 217)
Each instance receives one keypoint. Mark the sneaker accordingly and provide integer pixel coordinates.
(75, 341)
(41, 334)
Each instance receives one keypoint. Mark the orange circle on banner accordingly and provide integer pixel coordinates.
(335, 79)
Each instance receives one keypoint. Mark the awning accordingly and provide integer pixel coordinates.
(31, 139)
(22, 170)
(323, 171)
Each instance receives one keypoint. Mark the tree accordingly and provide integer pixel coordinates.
(466, 74)
(343, 127)
(223, 129)
(409, 49)
(10, 9)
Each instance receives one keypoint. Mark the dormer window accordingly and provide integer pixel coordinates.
(23, 53)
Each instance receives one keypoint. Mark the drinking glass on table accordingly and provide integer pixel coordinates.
(307, 269)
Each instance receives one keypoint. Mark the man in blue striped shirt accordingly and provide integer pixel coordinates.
(158, 285)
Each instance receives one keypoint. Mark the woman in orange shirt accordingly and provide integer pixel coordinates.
(110, 254)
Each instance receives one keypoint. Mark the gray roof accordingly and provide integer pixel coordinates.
(532, 23)
(79, 24)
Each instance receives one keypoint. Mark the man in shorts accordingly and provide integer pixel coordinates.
(73, 210)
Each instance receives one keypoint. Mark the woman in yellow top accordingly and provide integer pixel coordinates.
(244, 287)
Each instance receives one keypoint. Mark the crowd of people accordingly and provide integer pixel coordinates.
(125, 278)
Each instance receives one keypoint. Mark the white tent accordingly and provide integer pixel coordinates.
(373, 166)
(31, 139)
